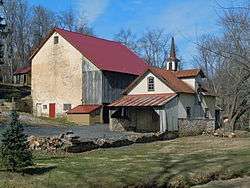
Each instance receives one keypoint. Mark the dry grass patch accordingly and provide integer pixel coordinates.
(182, 162)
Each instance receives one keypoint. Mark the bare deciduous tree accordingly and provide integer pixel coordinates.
(42, 22)
(28, 26)
(128, 38)
(152, 46)
(68, 20)
(225, 60)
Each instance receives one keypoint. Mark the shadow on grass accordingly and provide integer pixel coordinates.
(190, 170)
(45, 158)
(33, 170)
(38, 170)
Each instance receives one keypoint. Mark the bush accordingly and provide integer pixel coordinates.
(15, 153)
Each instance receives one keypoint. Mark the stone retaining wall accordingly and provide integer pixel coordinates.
(118, 124)
(192, 127)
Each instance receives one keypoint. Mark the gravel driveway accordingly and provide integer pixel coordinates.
(39, 127)
(85, 132)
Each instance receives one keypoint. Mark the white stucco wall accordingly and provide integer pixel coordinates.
(142, 87)
(190, 81)
(193, 81)
(57, 76)
(171, 110)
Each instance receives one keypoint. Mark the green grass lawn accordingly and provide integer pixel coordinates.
(183, 161)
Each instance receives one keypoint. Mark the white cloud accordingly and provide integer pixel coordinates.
(188, 20)
(91, 9)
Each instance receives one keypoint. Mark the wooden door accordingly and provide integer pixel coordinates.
(52, 110)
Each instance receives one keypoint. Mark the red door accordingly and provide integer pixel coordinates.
(52, 110)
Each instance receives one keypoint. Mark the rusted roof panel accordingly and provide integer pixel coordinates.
(23, 70)
(189, 73)
(143, 100)
(84, 109)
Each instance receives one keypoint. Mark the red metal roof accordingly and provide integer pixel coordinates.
(105, 54)
(188, 73)
(84, 109)
(143, 100)
(23, 70)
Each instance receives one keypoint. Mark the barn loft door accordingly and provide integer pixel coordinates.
(52, 110)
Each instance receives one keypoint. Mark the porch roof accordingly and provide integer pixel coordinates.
(143, 100)
(84, 109)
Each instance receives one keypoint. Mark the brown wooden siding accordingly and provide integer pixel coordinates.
(113, 84)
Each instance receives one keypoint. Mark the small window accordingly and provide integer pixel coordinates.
(170, 65)
(151, 84)
(66, 107)
(206, 113)
(188, 110)
(56, 39)
(45, 107)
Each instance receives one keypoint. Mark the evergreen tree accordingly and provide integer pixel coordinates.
(15, 153)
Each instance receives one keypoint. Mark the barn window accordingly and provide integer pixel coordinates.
(151, 83)
(56, 39)
(45, 107)
(188, 110)
(66, 107)
(206, 113)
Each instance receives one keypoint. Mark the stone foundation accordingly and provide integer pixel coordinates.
(192, 127)
(119, 124)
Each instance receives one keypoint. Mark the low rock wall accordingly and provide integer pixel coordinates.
(71, 143)
(192, 127)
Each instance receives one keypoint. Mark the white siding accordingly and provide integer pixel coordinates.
(171, 109)
(186, 100)
(193, 81)
(142, 87)
(209, 102)
(197, 110)
(190, 81)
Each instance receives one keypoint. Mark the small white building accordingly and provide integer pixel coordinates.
(168, 99)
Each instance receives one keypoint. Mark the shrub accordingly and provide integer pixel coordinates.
(15, 153)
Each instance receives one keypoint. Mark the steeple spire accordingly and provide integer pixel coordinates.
(172, 50)
(172, 61)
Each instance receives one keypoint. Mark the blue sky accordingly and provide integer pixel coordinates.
(186, 20)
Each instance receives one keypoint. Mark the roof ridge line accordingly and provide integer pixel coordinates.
(76, 32)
